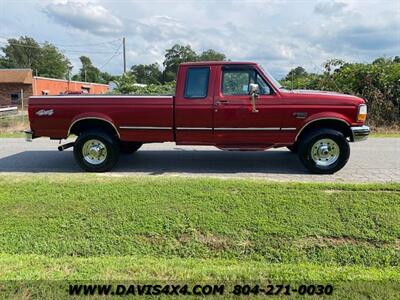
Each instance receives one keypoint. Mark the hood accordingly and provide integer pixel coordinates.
(322, 95)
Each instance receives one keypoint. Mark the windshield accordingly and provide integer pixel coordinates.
(271, 78)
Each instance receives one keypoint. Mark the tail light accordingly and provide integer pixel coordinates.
(362, 113)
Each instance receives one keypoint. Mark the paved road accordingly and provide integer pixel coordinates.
(375, 160)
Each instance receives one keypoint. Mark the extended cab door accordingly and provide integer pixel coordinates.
(194, 105)
(235, 121)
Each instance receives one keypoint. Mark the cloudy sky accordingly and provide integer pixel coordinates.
(278, 34)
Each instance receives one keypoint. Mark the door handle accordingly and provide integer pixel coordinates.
(222, 102)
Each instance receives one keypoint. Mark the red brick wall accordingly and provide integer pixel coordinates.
(6, 89)
(56, 87)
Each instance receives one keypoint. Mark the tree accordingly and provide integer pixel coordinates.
(173, 57)
(211, 55)
(44, 60)
(22, 53)
(147, 74)
(106, 77)
(378, 82)
(88, 72)
(125, 84)
(52, 63)
(296, 73)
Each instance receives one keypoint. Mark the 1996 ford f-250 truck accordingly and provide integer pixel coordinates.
(230, 105)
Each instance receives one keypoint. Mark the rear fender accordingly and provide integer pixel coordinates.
(94, 116)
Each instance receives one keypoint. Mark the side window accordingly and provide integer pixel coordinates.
(263, 86)
(237, 81)
(196, 83)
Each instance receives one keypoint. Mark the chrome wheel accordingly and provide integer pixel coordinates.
(94, 152)
(325, 152)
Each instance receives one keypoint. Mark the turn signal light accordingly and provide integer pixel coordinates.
(362, 113)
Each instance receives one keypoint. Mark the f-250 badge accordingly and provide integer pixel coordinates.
(45, 112)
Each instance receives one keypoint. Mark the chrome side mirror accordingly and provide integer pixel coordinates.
(254, 90)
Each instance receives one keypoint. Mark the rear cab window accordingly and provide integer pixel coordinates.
(196, 85)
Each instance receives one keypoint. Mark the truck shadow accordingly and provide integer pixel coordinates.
(156, 162)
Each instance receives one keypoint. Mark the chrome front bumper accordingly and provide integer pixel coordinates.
(360, 133)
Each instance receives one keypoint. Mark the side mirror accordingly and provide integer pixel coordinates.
(254, 88)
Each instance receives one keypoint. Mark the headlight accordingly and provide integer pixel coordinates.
(362, 113)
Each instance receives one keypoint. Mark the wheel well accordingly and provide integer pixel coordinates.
(86, 124)
(334, 124)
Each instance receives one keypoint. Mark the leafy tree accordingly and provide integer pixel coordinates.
(125, 84)
(52, 63)
(378, 82)
(147, 74)
(173, 57)
(297, 72)
(44, 60)
(106, 77)
(211, 55)
(88, 72)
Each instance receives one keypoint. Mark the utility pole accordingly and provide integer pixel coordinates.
(124, 53)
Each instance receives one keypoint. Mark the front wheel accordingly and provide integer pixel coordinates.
(324, 151)
(96, 151)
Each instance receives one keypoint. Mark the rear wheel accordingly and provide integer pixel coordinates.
(324, 151)
(96, 151)
(129, 147)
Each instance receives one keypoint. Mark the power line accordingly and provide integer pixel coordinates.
(80, 45)
(75, 45)
(115, 54)
(38, 46)
(62, 50)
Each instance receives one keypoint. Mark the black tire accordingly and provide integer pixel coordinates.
(293, 148)
(315, 158)
(107, 140)
(129, 147)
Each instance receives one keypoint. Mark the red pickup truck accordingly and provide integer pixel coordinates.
(230, 105)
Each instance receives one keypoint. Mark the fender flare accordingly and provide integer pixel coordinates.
(320, 119)
(92, 117)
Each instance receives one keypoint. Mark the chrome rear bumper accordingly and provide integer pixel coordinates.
(360, 133)
(28, 135)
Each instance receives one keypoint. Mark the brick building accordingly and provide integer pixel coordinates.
(17, 85)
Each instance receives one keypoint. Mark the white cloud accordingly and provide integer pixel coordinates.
(279, 34)
(86, 16)
(330, 8)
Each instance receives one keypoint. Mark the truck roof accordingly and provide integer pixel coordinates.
(208, 63)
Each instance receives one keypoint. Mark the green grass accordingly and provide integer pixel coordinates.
(385, 135)
(12, 135)
(13, 126)
(89, 227)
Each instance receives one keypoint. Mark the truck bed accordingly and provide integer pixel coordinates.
(141, 118)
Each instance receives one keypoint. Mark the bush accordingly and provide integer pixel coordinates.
(126, 84)
(378, 83)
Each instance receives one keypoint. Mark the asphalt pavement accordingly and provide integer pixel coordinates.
(374, 160)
